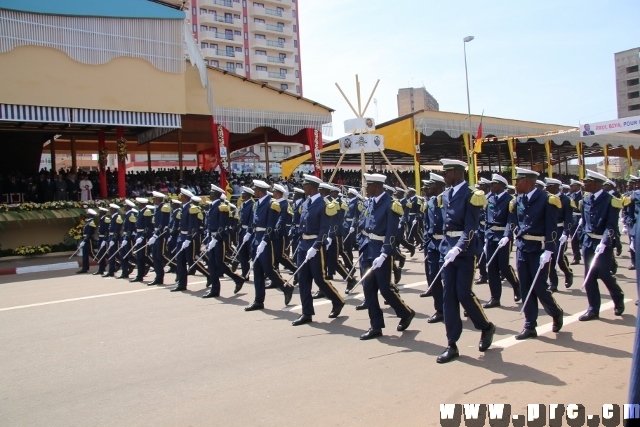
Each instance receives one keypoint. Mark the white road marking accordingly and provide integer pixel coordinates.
(546, 328)
(17, 307)
(47, 267)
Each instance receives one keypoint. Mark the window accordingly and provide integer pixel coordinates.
(296, 59)
(281, 24)
(246, 52)
(633, 82)
(261, 52)
(206, 61)
(633, 69)
(237, 33)
(258, 4)
(297, 74)
(632, 95)
(215, 63)
(195, 28)
(260, 36)
(231, 66)
(261, 68)
(214, 29)
(287, 150)
(228, 17)
(203, 28)
(230, 51)
(283, 71)
(204, 45)
(293, 12)
(284, 86)
(244, 19)
(246, 36)
(297, 88)
(295, 43)
(236, 16)
(193, 11)
(294, 29)
(203, 11)
(281, 40)
(213, 46)
(270, 150)
(212, 12)
(239, 65)
(238, 49)
(258, 20)
(634, 107)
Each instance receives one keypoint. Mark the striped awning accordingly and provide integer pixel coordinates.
(31, 113)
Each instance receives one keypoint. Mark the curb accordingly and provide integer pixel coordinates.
(44, 267)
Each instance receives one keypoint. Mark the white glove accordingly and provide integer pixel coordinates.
(81, 245)
(246, 238)
(377, 263)
(452, 254)
(169, 239)
(261, 247)
(111, 243)
(124, 242)
(223, 197)
(625, 229)
(311, 253)
(400, 225)
(103, 244)
(415, 221)
(138, 241)
(563, 239)
(503, 242)
(328, 242)
(580, 222)
(351, 230)
(600, 248)
(212, 244)
(152, 240)
(185, 244)
(545, 257)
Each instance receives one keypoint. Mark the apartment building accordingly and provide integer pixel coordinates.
(415, 99)
(628, 82)
(256, 39)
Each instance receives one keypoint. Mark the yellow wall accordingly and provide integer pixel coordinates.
(33, 75)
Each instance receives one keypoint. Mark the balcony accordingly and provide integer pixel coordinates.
(272, 61)
(273, 77)
(216, 3)
(272, 44)
(219, 53)
(210, 18)
(213, 36)
(261, 27)
(269, 13)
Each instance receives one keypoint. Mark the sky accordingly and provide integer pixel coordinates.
(543, 61)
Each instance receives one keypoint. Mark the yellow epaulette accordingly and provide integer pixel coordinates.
(300, 209)
(289, 210)
(439, 200)
(236, 216)
(330, 208)
(478, 198)
(132, 218)
(92, 224)
(223, 207)
(409, 205)
(275, 205)
(573, 204)
(396, 207)
(344, 206)
(147, 212)
(194, 210)
(200, 216)
(616, 203)
(585, 195)
(107, 220)
(555, 201)
(360, 207)
(423, 208)
(512, 205)
(580, 205)
(179, 215)
(119, 220)
(626, 201)
(166, 208)
(420, 203)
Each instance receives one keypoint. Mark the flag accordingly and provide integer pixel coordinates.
(478, 146)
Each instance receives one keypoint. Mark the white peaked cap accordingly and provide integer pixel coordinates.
(186, 192)
(248, 190)
(499, 178)
(142, 200)
(92, 212)
(130, 203)
(552, 181)
(217, 189)
(376, 177)
(436, 178)
(157, 194)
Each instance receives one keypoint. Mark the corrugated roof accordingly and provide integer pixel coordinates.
(143, 9)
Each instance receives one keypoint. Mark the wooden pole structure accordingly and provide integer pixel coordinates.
(149, 156)
(345, 98)
(52, 151)
(180, 152)
(362, 165)
(370, 96)
(499, 160)
(358, 95)
(392, 168)
(74, 160)
(337, 166)
(266, 153)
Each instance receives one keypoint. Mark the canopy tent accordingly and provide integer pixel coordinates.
(428, 136)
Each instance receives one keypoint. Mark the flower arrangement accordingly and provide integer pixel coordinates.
(122, 149)
(32, 250)
(28, 207)
(76, 231)
(102, 157)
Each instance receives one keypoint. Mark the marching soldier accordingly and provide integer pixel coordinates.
(217, 225)
(366, 210)
(113, 247)
(398, 255)
(144, 230)
(380, 230)
(103, 241)
(160, 221)
(600, 213)
(340, 234)
(406, 206)
(128, 228)
(415, 218)
(86, 244)
(536, 214)
(298, 200)
(629, 219)
(315, 223)
(433, 235)
(280, 195)
(266, 211)
(246, 217)
(483, 185)
(576, 196)
(497, 214)
(188, 226)
(350, 224)
(459, 249)
(174, 232)
(565, 222)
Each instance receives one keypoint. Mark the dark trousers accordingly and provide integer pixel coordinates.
(347, 260)
(563, 263)
(482, 266)
(432, 266)
(457, 278)
(142, 258)
(124, 258)
(500, 264)
(159, 260)
(181, 264)
(218, 268)
(333, 262)
(380, 280)
(602, 271)
(415, 235)
(576, 242)
(527, 264)
(87, 251)
(280, 256)
(170, 249)
(111, 254)
(102, 264)
(244, 256)
(263, 267)
(313, 271)
(349, 245)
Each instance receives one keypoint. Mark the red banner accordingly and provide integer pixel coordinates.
(102, 174)
(122, 168)
(220, 137)
(314, 139)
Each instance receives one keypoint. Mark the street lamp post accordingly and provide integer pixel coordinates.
(466, 75)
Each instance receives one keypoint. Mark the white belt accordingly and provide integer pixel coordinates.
(349, 219)
(412, 214)
(482, 223)
(534, 238)
(261, 229)
(438, 236)
(560, 224)
(309, 236)
(577, 214)
(453, 233)
(372, 236)
(595, 236)
(497, 228)
(246, 227)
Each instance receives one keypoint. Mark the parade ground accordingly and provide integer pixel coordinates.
(80, 350)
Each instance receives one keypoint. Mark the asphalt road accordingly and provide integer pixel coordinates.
(79, 350)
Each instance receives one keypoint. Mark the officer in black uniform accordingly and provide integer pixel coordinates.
(483, 185)
(576, 196)
(174, 232)
(433, 235)
(244, 235)
(414, 221)
(350, 224)
(113, 246)
(161, 232)
(340, 233)
(128, 230)
(144, 231)
(188, 227)
(536, 213)
(103, 241)
(565, 223)
(600, 213)
(87, 243)
(281, 229)
(459, 249)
